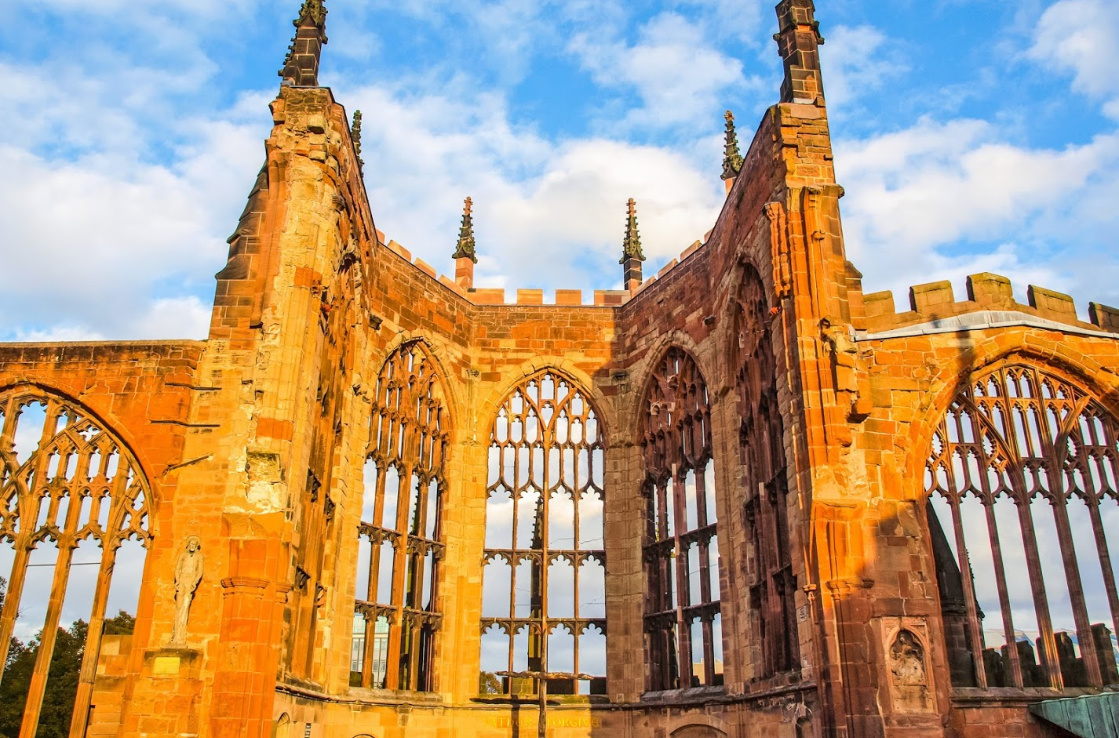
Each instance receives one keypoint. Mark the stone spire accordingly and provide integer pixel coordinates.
(465, 248)
(732, 158)
(464, 255)
(632, 256)
(797, 41)
(355, 136)
(301, 67)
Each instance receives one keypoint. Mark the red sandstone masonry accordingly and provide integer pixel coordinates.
(986, 291)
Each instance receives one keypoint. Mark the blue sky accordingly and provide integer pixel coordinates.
(970, 135)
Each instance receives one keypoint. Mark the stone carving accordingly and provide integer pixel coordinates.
(188, 573)
(849, 369)
(907, 660)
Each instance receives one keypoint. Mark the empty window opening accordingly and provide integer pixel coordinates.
(74, 530)
(681, 545)
(1023, 497)
(770, 578)
(400, 533)
(543, 590)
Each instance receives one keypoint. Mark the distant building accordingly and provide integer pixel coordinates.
(740, 498)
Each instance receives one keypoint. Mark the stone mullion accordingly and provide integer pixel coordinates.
(67, 542)
(964, 562)
(29, 516)
(400, 564)
(1000, 582)
(374, 563)
(1076, 592)
(1059, 502)
(1041, 600)
(703, 546)
(1105, 561)
(15, 591)
(1029, 539)
(88, 672)
(683, 626)
(988, 500)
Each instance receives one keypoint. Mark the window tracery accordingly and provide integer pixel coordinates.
(761, 442)
(1023, 483)
(68, 489)
(544, 595)
(683, 624)
(396, 618)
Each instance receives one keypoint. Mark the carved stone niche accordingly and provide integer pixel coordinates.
(908, 670)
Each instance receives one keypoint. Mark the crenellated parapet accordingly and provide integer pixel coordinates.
(990, 303)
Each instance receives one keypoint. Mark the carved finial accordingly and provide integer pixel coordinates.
(465, 248)
(732, 158)
(631, 247)
(312, 12)
(355, 136)
(301, 65)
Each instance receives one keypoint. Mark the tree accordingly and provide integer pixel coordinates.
(62, 678)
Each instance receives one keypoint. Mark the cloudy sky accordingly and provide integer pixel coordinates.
(971, 135)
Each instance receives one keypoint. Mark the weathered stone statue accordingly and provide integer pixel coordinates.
(188, 573)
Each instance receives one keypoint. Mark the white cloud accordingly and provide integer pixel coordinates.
(679, 77)
(857, 61)
(111, 246)
(536, 201)
(1082, 37)
(916, 197)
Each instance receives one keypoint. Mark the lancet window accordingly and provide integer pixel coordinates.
(761, 442)
(396, 617)
(71, 495)
(544, 595)
(1023, 513)
(683, 624)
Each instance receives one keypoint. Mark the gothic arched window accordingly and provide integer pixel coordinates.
(544, 593)
(71, 495)
(398, 562)
(1023, 483)
(683, 624)
(761, 443)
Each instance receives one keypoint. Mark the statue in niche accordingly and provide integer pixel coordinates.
(907, 658)
(188, 573)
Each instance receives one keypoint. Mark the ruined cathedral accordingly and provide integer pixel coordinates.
(738, 498)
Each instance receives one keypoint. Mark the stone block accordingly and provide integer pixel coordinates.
(610, 297)
(1052, 304)
(1103, 316)
(489, 296)
(400, 250)
(931, 297)
(530, 297)
(990, 290)
(569, 297)
(879, 303)
(666, 268)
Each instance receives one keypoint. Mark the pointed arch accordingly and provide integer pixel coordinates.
(1022, 486)
(683, 622)
(566, 369)
(544, 582)
(68, 478)
(761, 443)
(396, 615)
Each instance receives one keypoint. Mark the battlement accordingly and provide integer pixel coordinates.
(985, 292)
(562, 297)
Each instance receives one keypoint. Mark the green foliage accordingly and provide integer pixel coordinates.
(62, 679)
(488, 683)
(121, 625)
